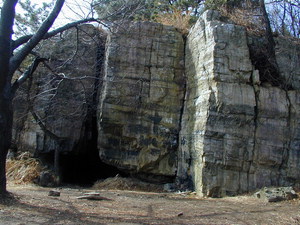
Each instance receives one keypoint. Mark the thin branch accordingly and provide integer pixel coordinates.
(69, 60)
(44, 128)
(22, 40)
(64, 77)
(27, 74)
(17, 59)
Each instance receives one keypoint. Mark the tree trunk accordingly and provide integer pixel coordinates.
(3, 190)
(56, 165)
(6, 119)
(6, 113)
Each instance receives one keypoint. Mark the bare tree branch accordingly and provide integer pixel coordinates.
(44, 128)
(22, 40)
(64, 77)
(17, 59)
(26, 74)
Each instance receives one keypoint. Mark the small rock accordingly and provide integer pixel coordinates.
(169, 187)
(54, 193)
(47, 179)
(93, 197)
(180, 214)
(92, 193)
(276, 194)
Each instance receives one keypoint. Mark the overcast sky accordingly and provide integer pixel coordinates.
(71, 11)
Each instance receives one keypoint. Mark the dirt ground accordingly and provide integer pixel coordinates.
(34, 206)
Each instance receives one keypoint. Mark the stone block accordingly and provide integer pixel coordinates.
(144, 95)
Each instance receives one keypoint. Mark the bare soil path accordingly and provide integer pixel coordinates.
(34, 206)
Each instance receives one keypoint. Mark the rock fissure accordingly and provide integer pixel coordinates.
(253, 159)
(180, 123)
(290, 135)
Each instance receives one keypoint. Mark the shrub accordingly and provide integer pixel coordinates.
(177, 19)
(244, 17)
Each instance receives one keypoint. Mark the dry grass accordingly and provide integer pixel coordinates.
(245, 18)
(24, 169)
(121, 183)
(176, 19)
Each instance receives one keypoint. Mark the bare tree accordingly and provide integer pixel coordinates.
(285, 17)
(13, 53)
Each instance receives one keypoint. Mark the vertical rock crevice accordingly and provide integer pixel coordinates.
(250, 173)
(283, 167)
(181, 182)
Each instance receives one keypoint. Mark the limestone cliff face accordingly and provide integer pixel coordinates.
(237, 135)
(288, 59)
(53, 110)
(141, 100)
(194, 109)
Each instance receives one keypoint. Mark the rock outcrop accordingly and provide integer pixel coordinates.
(54, 109)
(276, 194)
(237, 134)
(193, 108)
(141, 100)
(288, 60)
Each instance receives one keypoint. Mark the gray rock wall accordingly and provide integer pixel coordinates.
(194, 109)
(141, 100)
(237, 135)
(53, 109)
(288, 59)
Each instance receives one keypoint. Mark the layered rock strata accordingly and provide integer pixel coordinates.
(237, 134)
(195, 108)
(54, 109)
(141, 100)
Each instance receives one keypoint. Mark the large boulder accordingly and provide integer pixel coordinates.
(54, 108)
(238, 134)
(277, 194)
(141, 100)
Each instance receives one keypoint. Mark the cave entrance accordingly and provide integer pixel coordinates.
(84, 169)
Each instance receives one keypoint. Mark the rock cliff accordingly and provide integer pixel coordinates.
(56, 109)
(141, 100)
(238, 134)
(194, 110)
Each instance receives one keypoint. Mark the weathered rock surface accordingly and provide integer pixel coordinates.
(47, 179)
(53, 110)
(236, 135)
(272, 194)
(141, 100)
(288, 60)
(194, 109)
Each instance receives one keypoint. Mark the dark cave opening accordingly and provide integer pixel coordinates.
(84, 169)
(83, 166)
